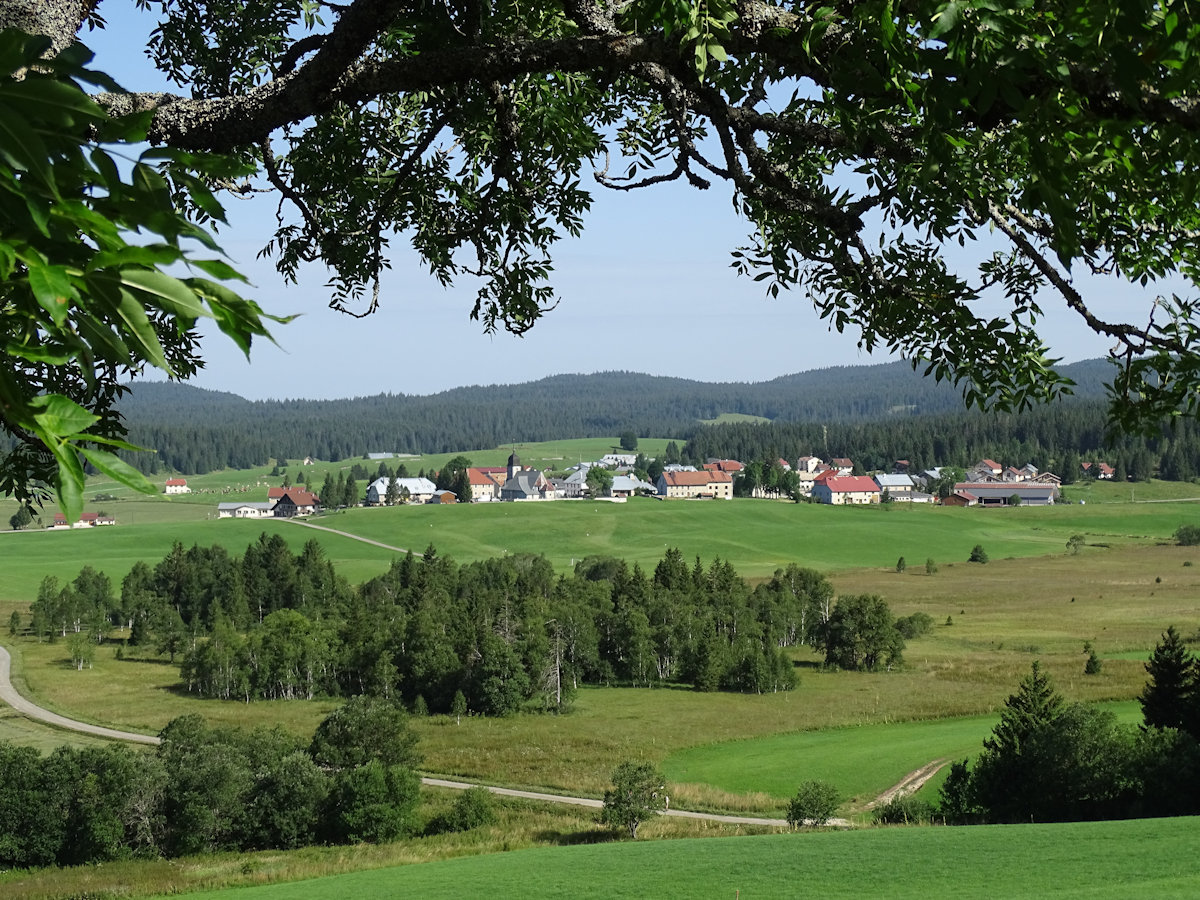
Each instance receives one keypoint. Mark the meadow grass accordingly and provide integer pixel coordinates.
(756, 536)
(1098, 859)
(860, 761)
(1005, 614)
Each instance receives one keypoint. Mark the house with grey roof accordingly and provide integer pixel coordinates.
(898, 487)
(419, 490)
(525, 484)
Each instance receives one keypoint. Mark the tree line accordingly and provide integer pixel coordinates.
(488, 637)
(194, 431)
(208, 789)
(1055, 439)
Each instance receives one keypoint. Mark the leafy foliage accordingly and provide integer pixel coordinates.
(861, 634)
(814, 804)
(638, 792)
(205, 790)
(83, 308)
(1187, 535)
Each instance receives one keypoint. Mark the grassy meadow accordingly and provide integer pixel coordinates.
(1099, 859)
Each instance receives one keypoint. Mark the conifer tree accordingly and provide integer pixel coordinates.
(1172, 695)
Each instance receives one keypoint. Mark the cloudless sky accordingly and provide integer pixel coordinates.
(648, 288)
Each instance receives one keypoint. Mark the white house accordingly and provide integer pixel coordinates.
(691, 485)
(846, 490)
(247, 509)
(176, 486)
(898, 487)
(420, 490)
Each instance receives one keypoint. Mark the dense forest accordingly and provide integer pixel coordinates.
(196, 431)
(1055, 439)
(487, 637)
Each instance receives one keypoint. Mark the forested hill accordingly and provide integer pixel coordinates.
(196, 430)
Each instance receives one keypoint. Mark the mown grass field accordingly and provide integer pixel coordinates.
(756, 536)
(860, 761)
(1106, 859)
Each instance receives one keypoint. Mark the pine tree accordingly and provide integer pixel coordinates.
(1008, 779)
(1172, 695)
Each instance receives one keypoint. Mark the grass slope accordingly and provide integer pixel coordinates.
(1106, 859)
(861, 762)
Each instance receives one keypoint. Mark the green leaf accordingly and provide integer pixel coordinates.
(118, 470)
(163, 291)
(147, 255)
(61, 416)
(218, 268)
(22, 148)
(53, 289)
(139, 327)
(944, 20)
(70, 480)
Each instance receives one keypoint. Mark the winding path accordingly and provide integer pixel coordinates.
(10, 696)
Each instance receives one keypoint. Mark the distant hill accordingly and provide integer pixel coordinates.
(197, 430)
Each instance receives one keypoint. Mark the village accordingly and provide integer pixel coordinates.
(810, 479)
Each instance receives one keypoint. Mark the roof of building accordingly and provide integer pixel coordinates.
(176, 482)
(299, 497)
(415, 486)
(851, 484)
(991, 490)
(628, 483)
(696, 479)
(252, 504)
(991, 464)
(480, 478)
(522, 484)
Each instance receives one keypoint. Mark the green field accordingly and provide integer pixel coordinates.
(756, 536)
(1141, 858)
(861, 762)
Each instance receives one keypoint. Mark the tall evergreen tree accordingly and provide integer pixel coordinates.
(1171, 697)
(1007, 778)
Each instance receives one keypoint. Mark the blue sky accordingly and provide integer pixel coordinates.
(647, 288)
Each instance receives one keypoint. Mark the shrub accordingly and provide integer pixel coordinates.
(1188, 535)
(1093, 664)
(978, 554)
(814, 804)
(472, 809)
(914, 626)
(904, 810)
(901, 565)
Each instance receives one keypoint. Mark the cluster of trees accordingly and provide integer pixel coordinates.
(487, 636)
(209, 789)
(1048, 760)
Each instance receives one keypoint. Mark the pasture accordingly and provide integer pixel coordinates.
(1098, 859)
(756, 536)
(1033, 601)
